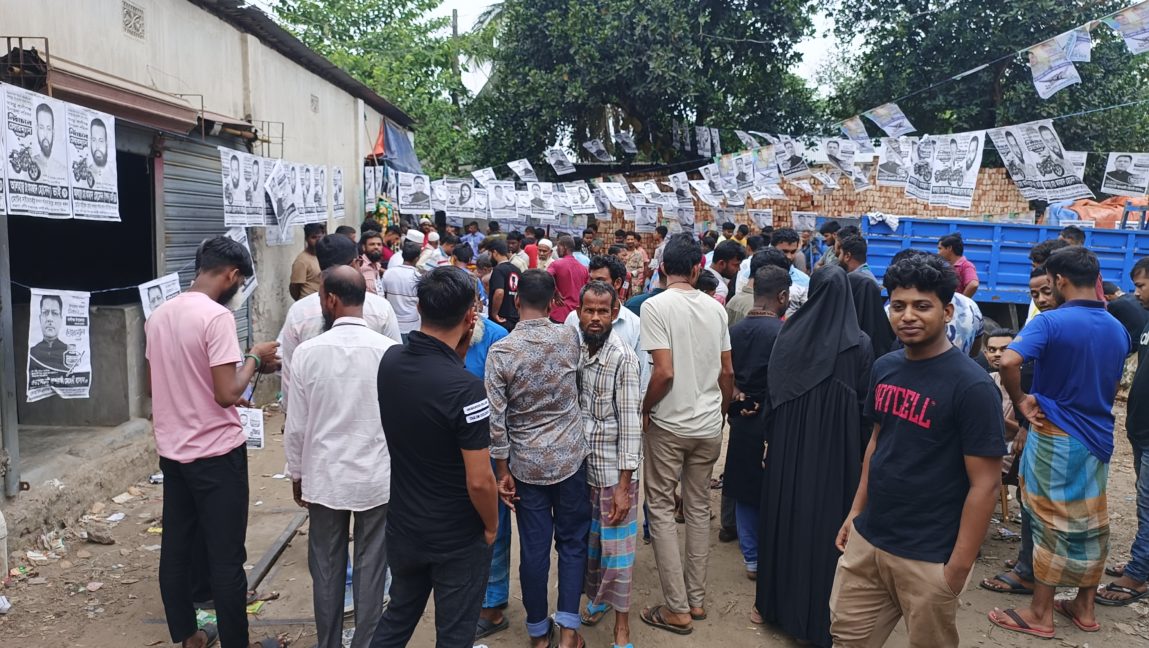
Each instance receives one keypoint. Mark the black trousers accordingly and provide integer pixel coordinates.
(458, 579)
(205, 504)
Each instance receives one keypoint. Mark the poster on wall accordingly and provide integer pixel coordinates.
(542, 200)
(501, 199)
(92, 161)
(338, 198)
(252, 421)
(523, 170)
(892, 161)
(920, 170)
(3, 162)
(762, 217)
(235, 191)
(37, 167)
(413, 194)
(1126, 174)
(280, 186)
(368, 189)
(260, 212)
(239, 235)
(154, 293)
(646, 218)
(59, 357)
(957, 161)
(581, 198)
(788, 156)
(319, 193)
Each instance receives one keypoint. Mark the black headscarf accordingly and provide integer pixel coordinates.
(872, 318)
(811, 340)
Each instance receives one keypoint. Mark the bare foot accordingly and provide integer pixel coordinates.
(494, 615)
(621, 628)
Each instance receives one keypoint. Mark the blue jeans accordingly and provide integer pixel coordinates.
(499, 582)
(1138, 566)
(560, 511)
(746, 517)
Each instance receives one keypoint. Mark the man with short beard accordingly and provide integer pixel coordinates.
(609, 398)
(337, 458)
(197, 375)
(371, 261)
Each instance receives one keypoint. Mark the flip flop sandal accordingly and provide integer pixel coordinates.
(698, 617)
(211, 632)
(594, 613)
(1134, 595)
(1010, 564)
(1015, 586)
(1059, 607)
(485, 628)
(269, 642)
(653, 618)
(1115, 572)
(1021, 626)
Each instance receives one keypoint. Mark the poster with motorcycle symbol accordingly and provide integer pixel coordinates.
(235, 188)
(92, 164)
(35, 134)
(59, 358)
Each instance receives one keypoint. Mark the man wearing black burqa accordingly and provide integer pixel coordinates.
(819, 378)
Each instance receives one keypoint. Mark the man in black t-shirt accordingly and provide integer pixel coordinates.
(1131, 585)
(930, 478)
(444, 500)
(504, 286)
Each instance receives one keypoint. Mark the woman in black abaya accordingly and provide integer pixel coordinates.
(819, 378)
(872, 317)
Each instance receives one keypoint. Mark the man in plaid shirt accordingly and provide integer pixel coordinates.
(610, 399)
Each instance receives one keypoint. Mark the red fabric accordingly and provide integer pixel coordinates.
(380, 148)
(570, 276)
(532, 252)
(966, 273)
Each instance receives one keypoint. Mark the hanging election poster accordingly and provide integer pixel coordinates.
(1051, 68)
(860, 177)
(92, 158)
(762, 217)
(702, 136)
(542, 200)
(1077, 44)
(439, 194)
(279, 188)
(581, 198)
(686, 217)
(598, 150)
(3, 160)
(617, 195)
(413, 194)
(1077, 160)
(1055, 174)
(234, 188)
(747, 139)
(788, 155)
(744, 170)
(523, 170)
(766, 136)
(485, 176)
(59, 357)
(681, 185)
(715, 142)
(803, 221)
(675, 135)
(501, 199)
(1133, 25)
(804, 185)
(855, 131)
(154, 293)
(1126, 174)
(890, 118)
(239, 235)
(251, 419)
(626, 141)
(482, 203)
(559, 161)
(368, 188)
(840, 154)
(259, 212)
(1015, 157)
(522, 209)
(762, 192)
(460, 198)
(702, 189)
(646, 218)
(338, 198)
(892, 161)
(319, 193)
(765, 166)
(35, 136)
(302, 184)
(921, 169)
(823, 177)
(955, 169)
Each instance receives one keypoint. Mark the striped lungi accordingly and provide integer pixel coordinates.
(611, 549)
(1064, 489)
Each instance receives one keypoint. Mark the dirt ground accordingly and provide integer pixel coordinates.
(54, 604)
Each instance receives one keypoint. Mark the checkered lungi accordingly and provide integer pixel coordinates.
(610, 554)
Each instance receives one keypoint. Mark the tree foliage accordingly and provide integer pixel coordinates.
(911, 44)
(582, 69)
(393, 47)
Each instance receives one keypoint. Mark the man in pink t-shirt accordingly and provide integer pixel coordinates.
(570, 276)
(952, 249)
(197, 375)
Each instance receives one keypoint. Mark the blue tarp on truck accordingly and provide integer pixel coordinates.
(1000, 251)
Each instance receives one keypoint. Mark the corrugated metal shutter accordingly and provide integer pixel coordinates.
(193, 210)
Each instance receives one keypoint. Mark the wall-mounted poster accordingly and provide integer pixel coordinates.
(35, 135)
(92, 164)
(154, 293)
(59, 357)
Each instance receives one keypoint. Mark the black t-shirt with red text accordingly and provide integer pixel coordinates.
(932, 413)
(505, 277)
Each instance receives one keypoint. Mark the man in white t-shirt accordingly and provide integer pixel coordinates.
(690, 387)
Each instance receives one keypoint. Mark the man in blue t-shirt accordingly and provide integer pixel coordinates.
(930, 478)
(1079, 352)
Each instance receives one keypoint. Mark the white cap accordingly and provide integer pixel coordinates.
(433, 237)
(546, 243)
(415, 236)
(425, 221)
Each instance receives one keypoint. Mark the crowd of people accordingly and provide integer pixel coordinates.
(439, 380)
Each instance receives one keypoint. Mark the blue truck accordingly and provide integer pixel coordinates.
(1000, 251)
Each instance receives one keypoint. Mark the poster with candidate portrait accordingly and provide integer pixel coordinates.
(921, 170)
(681, 185)
(338, 198)
(557, 158)
(542, 200)
(1126, 174)
(319, 193)
(154, 293)
(484, 176)
(3, 162)
(59, 355)
(281, 191)
(235, 188)
(92, 163)
(252, 421)
(35, 134)
(617, 196)
(523, 170)
(1055, 175)
(788, 156)
(239, 235)
(702, 136)
(581, 198)
(368, 188)
(460, 198)
(260, 212)
(414, 194)
(762, 217)
(645, 218)
(501, 199)
(893, 161)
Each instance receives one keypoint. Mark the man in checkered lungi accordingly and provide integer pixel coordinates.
(610, 399)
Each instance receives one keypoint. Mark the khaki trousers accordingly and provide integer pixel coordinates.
(873, 589)
(667, 457)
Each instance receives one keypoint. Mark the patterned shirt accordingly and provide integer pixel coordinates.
(532, 383)
(610, 399)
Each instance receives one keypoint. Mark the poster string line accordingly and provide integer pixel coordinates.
(107, 290)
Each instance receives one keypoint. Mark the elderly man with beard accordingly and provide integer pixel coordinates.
(197, 375)
(337, 457)
(609, 398)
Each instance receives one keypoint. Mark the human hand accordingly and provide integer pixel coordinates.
(619, 506)
(297, 493)
(955, 577)
(507, 491)
(489, 535)
(1032, 411)
(267, 352)
(844, 532)
(1019, 441)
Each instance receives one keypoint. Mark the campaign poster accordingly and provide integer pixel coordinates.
(1077, 160)
(1133, 25)
(763, 192)
(154, 293)
(1016, 158)
(522, 208)
(840, 154)
(971, 147)
(890, 118)
(855, 131)
(3, 166)
(319, 193)
(414, 196)
(788, 156)
(681, 185)
(542, 200)
(893, 161)
(338, 198)
(702, 188)
(827, 181)
(715, 142)
(921, 170)
(598, 150)
(559, 161)
(35, 136)
(234, 187)
(744, 173)
(1126, 174)
(523, 170)
(59, 357)
(762, 217)
(485, 176)
(625, 140)
(645, 218)
(747, 140)
(1055, 175)
(239, 235)
(501, 199)
(252, 421)
(616, 194)
(369, 196)
(260, 212)
(1051, 68)
(581, 198)
(460, 199)
(804, 185)
(280, 187)
(92, 156)
(803, 221)
(765, 166)
(702, 136)
(482, 202)
(686, 216)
